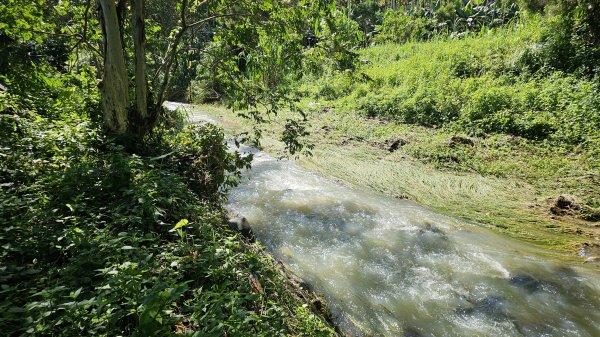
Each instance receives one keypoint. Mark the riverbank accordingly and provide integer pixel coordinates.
(390, 267)
(406, 161)
(102, 241)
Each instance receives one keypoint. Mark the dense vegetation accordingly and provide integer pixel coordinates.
(478, 84)
(534, 79)
(500, 116)
(96, 240)
(110, 207)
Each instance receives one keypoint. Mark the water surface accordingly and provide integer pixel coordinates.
(389, 267)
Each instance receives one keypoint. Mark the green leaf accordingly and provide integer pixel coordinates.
(77, 292)
(181, 223)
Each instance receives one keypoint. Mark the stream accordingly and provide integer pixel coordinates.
(390, 267)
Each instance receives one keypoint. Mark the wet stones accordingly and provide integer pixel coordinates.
(241, 225)
(529, 283)
(429, 227)
(592, 259)
(590, 251)
(431, 232)
(431, 238)
(489, 306)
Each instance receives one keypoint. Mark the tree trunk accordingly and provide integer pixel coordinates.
(115, 83)
(141, 82)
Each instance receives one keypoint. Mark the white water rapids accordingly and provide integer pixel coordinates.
(389, 267)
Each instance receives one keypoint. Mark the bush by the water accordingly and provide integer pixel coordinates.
(96, 240)
(99, 239)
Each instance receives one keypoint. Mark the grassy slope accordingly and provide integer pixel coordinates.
(501, 181)
(507, 205)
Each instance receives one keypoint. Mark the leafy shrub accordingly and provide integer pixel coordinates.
(200, 156)
(559, 107)
(94, 242)
(484, 84)
(570, 39)
(98, 240)
(203, 89)
(400, 27)
(368, 15)
(338, 37)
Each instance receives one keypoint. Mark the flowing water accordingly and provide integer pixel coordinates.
(389, 267)
(392, 268)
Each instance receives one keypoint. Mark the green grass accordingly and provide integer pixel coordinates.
(493, 82)
(501, 188)
(353, 150)
(532, 133)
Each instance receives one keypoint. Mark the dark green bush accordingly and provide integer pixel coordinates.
(200, 156)
(337, 38)
(368, 15)
(570, 39)
(97, 240)
(100, 241)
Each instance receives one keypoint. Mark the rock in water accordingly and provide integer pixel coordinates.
(490, 306)
(527, 282)
(240, 224)
(412, 332)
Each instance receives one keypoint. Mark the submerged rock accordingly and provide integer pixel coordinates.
(432, 239)
(592, 259)
(490, 306)
(527, 282)
(429, 227)
(410, 331)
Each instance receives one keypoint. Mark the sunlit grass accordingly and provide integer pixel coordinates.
(533, 136)
(505, 204)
